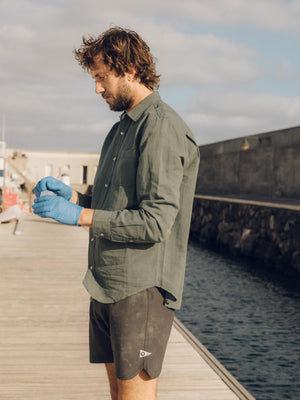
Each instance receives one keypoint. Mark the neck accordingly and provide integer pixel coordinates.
(139, 94)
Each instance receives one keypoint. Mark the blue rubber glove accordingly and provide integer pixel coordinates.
(57, 208)
(55, 186)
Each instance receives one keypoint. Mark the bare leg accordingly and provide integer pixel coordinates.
(113, 383)
(141, 387)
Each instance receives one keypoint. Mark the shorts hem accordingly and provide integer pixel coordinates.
(131, 376)
(101, 362)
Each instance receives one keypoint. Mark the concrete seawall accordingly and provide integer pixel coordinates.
(261, 165)
(268, 233)
(248, 198)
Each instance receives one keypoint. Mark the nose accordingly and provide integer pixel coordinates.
(99, 88)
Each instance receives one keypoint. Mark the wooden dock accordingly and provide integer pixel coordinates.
(44, 326)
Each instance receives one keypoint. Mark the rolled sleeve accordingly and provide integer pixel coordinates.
(101, 223)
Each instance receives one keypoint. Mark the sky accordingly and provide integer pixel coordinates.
(230, 68)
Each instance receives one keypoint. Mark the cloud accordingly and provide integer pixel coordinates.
(276, 15)
(285, 70)
(15, 34)
(97, 127)
(203, 59)
(221, 116)
(251, 104)
(221, 85)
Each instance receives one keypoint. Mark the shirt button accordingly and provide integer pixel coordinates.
(106, 185)
(92, 239)
(91, 267)
(122, 133)
(114, 159)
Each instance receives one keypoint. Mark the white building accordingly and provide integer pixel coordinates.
(24, 168)
(2, 155)
(74, 168)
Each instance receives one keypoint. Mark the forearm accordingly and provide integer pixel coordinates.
(82, 200)
(86, 217)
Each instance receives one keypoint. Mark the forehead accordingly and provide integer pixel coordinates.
(99, 67)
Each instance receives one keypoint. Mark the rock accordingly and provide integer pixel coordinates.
(296, 261)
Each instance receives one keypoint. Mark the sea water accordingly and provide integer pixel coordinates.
(248, 317)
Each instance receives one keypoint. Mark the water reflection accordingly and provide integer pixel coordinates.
(248, 317)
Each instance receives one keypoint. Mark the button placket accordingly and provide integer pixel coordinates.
(114, 159)
(120, 136)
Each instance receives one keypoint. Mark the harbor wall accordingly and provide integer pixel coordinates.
(247, 199)
(266, 234)
(265, 165)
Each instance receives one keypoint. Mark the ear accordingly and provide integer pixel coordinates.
(131, 74)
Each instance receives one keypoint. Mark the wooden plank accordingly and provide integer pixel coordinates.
(44, 315)
(44, 324)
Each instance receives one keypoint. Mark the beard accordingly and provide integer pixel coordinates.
(123, 100)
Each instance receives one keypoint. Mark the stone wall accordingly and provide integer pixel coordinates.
(269, 235)
(264, 165)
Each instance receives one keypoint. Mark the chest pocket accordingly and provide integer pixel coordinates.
(126, 167)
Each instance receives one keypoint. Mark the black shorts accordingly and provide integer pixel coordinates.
(132, 333)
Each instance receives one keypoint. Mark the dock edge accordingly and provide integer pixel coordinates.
(220, 370)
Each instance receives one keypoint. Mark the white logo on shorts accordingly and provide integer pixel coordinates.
(144, 353)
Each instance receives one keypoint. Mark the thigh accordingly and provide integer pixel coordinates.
(113, 382)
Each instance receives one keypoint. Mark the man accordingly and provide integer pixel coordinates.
(139, 215)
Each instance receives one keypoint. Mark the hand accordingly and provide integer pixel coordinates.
(55, 186)
(57, 208)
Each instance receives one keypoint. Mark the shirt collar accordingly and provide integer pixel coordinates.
(140, 108)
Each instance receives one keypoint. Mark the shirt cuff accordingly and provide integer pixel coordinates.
(101, 223)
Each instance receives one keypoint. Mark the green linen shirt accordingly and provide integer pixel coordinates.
(142, 195)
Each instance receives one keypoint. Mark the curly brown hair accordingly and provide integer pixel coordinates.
(121, 50)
